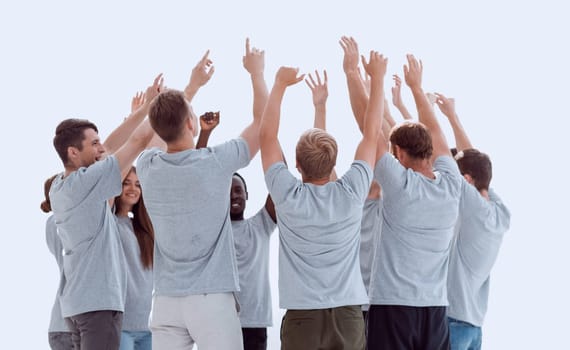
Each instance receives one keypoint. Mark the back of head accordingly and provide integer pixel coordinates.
(168, 113)
(46, 203)
(316, 154)
(476, 164)
(414, 138)
(70, 133)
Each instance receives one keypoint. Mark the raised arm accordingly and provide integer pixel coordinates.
(201, 74)
(320, 92)
(371, 133)
(397, 98)
(139, 139)
(356, 88)
(208, 122)
(388, 122)
(413, 76)
(270, 207)
(447, 107)
(254, 63)
(270, 149)
(119, 136)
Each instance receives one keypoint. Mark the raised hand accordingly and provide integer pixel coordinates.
(446, 105)
(202, 72)
(397, 91)
(137, 101)
(365, 81)
(376, 65)
(153, 90)
(287, 76)
(413, 72)
(351, 55)
(254, 59)
(209, 121)
(319, 89)
(432, 98)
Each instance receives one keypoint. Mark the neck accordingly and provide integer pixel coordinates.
(423, 166)
(485, 194)
(124, 212)
(318, 182)
(180, 145)
(236, 217)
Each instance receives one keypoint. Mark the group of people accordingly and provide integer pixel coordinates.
(394, 254)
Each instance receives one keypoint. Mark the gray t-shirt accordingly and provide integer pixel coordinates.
(139, 280)
(251, 238)
(319, 237)
(186, 195)
(369, 234)
(480, 229)
(56, 323)
(93, 260)
(419, 215)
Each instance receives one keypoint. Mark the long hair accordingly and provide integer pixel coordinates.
(142, 227)
(45, 206)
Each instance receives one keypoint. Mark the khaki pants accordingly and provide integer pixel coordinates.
(334, 328)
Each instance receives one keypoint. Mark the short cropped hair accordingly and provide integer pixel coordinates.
(71, 133)
(477, 165)
(168, 113)
(242, 180)
(316, 154)
(414, 138)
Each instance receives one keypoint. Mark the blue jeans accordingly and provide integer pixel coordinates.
(136, 340)
(464, 336)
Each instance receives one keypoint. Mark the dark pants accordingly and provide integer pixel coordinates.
(60, 340)
(254, 338)
(334, 328)
(397, 327)
(96, 330)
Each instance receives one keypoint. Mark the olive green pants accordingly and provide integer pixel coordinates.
(335, 328)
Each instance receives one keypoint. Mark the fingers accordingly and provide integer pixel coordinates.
(247, 48)
(204, 59)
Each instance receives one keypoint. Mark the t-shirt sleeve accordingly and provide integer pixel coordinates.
(358, 178)
(280, 182)
(103, 177)
(389, 173)
(494, 217)
(446, 165)
(499, 216)
(263, 222)
(232, 155)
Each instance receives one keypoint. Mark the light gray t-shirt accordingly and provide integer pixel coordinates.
(56, 323)
(479, 233)
(319, 238)
(93, 260)
(419, 214)
(370, 231)
(139, 280)
(251, 238)
(186, 195)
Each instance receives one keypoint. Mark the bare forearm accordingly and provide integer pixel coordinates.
(404, 111)
(269, 128)
(260, 94)
(462, 141)
(320, 117)
(121, 134)
(203, 139)
(358, 97)
(374, 111)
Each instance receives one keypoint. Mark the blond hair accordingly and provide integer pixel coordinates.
(316, 154)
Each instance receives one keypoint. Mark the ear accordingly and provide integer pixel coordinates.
(469, 179)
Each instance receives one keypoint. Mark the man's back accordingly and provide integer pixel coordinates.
(480, 229)
(419, 214)
(186, 195)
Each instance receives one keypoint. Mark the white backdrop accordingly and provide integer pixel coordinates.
(505, 63)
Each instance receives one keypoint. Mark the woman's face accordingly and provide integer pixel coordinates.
(131, 190)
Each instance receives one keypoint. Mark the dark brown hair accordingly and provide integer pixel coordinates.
(168, 113)
(477, 165)
(45, 206)
(70, 133)
(414, 138)
(142, 227)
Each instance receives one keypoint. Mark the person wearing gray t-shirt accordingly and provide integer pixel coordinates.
(251, 237)
(137, 238)
(59, 335)
(320, 283)
(420, 190)
(186, 195)
(94, 288)
(483, 220)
